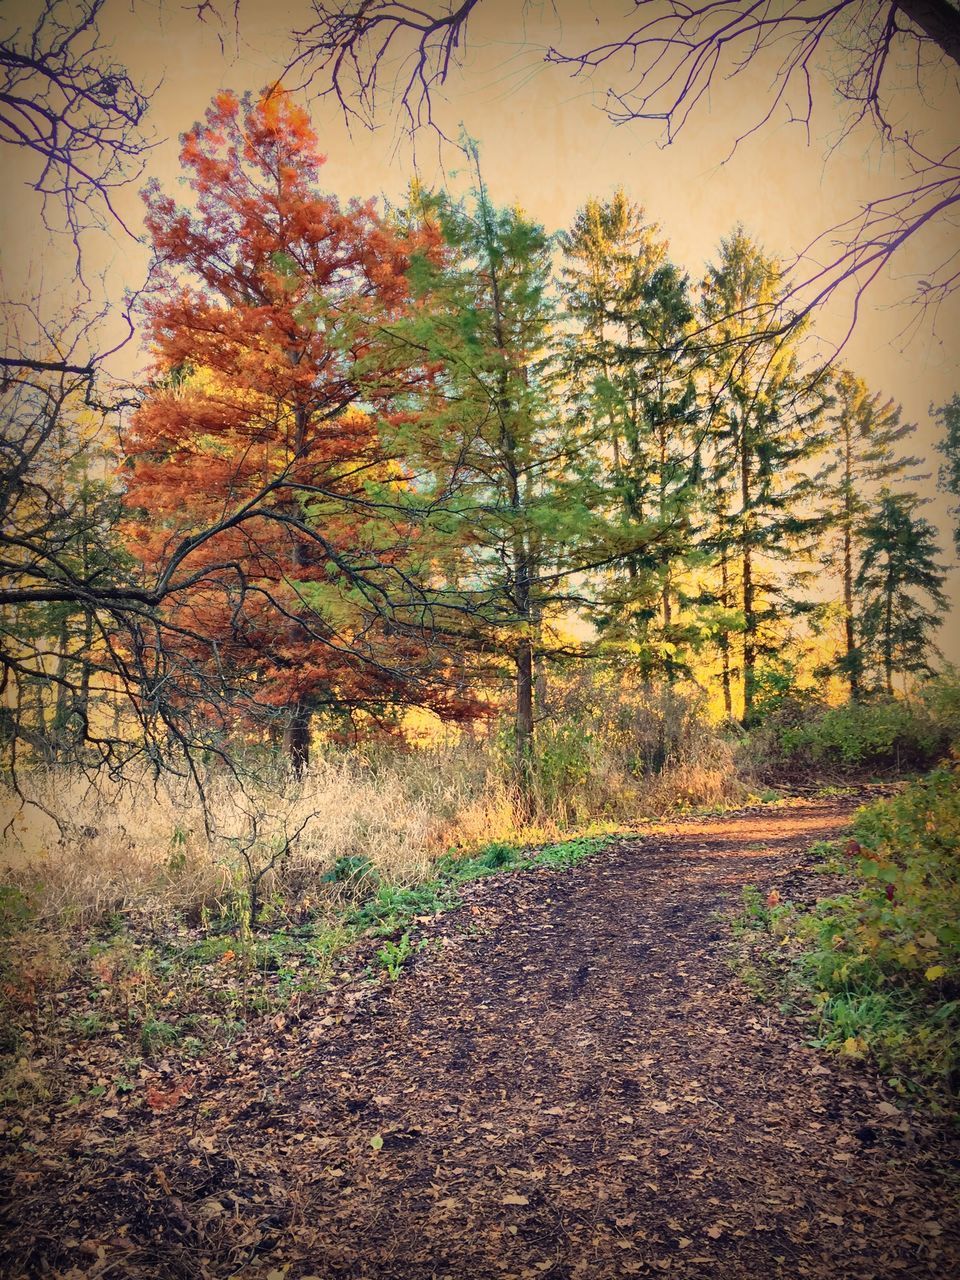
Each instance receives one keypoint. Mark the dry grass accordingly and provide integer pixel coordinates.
(82, 849)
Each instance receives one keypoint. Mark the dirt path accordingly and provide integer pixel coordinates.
(568, 1083)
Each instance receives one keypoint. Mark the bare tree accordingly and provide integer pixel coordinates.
(662, 68)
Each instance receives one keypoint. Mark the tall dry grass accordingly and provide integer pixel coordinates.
(80, 847)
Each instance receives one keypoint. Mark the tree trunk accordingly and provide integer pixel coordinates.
(888, 636)
(724, 639)
(853, 661)
(749, 635)
(850, 639)
(61, 713)
(297, 738)
(749, 618)
(524, 724)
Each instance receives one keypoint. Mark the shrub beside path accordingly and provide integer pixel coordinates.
(567, 1082)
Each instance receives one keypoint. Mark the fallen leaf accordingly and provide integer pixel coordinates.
(167, 1099)
(512, 1199)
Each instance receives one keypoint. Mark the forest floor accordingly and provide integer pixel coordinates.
(568, 1081)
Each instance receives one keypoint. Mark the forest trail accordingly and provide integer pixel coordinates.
(567, 1083)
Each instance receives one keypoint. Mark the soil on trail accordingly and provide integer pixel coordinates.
(567, 1083)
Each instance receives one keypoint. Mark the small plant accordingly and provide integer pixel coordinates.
(155, 1034)
(393, 956)
(15, 909)
(568, 853)
(90, 1025)
(354, 871)
(391, 908)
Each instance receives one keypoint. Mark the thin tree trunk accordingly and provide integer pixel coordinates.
(524, 732)
(83, 701)
(297, 738)
(749, 634)
(850, 638)
(61, 713)
(724, 639)
(888, 635)
(746, 552)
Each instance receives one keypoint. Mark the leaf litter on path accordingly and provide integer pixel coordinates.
(575, 1086)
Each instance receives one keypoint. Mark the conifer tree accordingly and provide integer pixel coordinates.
(631, 381)
(766, 422)
(902, 584)
(60, 511)
(948, 416)
(270, 446)
(861, 459)
(521, 527)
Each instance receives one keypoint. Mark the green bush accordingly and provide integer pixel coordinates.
(353, 870)
(901, 734)
(391, 908)
(881, 963)
(882, 733)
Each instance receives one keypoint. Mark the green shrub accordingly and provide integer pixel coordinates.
(880, 964)
(394, 955)
(882, 733)
(903, 734)
(391, 907)
(494, 857)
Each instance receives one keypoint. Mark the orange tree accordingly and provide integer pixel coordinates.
(264, 468)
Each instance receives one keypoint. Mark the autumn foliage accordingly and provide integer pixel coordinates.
(270, 434)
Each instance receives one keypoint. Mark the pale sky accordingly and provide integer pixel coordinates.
(547, 146)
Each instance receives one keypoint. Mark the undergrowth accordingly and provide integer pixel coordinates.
(878, 965)
(806, 739)
(134, 993)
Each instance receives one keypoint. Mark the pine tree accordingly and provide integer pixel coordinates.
(861, 460)
(631, 384)
(948, 416)
(765, 423)
(271, 443)
(902, 586)
(60, 512)
(520, 525)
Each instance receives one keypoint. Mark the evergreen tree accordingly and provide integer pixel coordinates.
(949, 419)
(60, 511)
(766, 422)
(861, 459)
(630, 379)
(503, 544)
(902, 586)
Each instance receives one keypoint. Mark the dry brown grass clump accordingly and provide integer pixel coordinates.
(609, 753)
(79, 847)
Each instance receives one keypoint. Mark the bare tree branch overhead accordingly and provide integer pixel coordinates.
(349, 45)
(79, 117)
(661, 70)
(63, 98)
